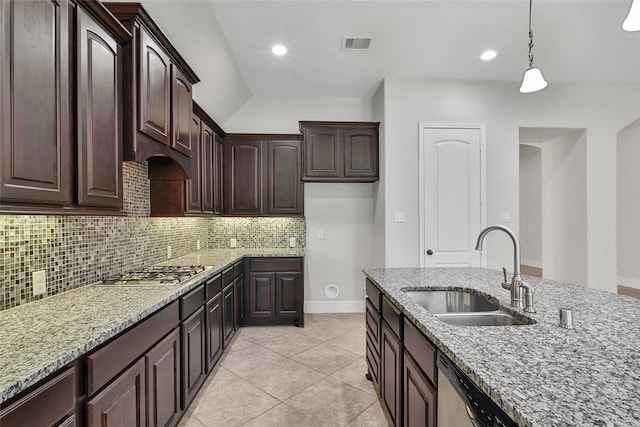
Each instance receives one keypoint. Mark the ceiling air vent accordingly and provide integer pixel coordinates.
(360, 44)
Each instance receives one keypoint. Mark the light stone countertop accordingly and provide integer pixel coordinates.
(541, 374)
(38, 338)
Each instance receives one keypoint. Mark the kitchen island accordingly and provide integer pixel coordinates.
(40, 338)
(539, 374)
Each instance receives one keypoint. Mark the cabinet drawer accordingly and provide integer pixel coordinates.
(105, 363)
(46, 405)
(227, 276)
(213, 287)
(393, 316)
(373, 323)
(373, 293)
(276, 264)
(421, 349)
(191, 302)
(237, 268)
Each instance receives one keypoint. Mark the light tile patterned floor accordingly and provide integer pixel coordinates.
(284, 376)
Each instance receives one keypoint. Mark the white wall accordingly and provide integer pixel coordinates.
(531, 205)
(628, 207)
(602, 109)
(202, 44)
(379, 193)
(564, 208)
(343, 212)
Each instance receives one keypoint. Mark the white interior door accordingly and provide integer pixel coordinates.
(451, 192)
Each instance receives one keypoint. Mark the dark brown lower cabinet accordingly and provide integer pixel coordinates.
(122, 402)
(419, 402)
(228, 304)
(214, 330)
(46, 405)
(238, 301)
(391, 373)
(193, 356)
(163, 381)
(288, 289)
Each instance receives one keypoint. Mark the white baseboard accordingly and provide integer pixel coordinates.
(632, 283)
(354, 306)
(531, 262)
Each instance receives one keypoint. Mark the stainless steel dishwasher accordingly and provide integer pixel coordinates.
(462, 404)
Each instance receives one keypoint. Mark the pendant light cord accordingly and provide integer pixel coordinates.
(530, 37)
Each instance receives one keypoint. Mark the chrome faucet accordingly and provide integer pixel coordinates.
(517, 285)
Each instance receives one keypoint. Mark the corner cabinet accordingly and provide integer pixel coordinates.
(43, 40)
(340, 151)
(157, 91)
(263, 175)
(204, 189)
(275, 290)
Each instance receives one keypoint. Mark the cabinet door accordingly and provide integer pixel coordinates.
(238, 295)
(193, 357)
(360, 152)
(34, 107)
(155, 89)
(262, 295)
(391, 373)
(122, 402)
(207, 140)
(322, 152)
(163, 381)
(419, 402)
(182, 102)
(99, 115)
(228, 305)
(285, 187)
(194, 185)
(288, 288)
(214, 330)
(244, 177)
(218, 173)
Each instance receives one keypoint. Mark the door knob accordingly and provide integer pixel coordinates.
(429, 252)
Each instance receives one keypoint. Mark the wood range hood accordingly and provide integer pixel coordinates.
(167, 187)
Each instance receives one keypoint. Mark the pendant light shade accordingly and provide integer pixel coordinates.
(632, 23)
(532, 81)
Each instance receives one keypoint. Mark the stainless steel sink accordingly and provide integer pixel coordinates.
(490, 318)
(437, 302)
(463, 308)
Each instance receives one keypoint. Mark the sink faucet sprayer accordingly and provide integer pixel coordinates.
(517, 284)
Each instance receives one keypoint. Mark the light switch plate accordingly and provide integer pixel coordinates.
(292, 242)
(233, 243)
(39, 282)
(400, 216)
(198, 244)
(320, 235)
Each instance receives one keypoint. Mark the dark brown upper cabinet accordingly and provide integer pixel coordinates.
(99, 117)
(263, 175)
(204, 189)
(158, 91)
(340, 151)
(42, 41)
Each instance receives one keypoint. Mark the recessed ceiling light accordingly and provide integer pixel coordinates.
(279, 50)
(488, 55)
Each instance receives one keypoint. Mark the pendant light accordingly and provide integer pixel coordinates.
(532, 81)
(632, 23)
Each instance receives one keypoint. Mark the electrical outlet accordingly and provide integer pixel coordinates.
(292, 242)
(198, 244)
(39, 282)
(233, 243)
(320, 235)
(505, 217)
(169, 252)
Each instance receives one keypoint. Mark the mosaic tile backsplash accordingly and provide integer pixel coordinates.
(76, 251)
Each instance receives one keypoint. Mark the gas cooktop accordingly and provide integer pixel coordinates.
(156, 275)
